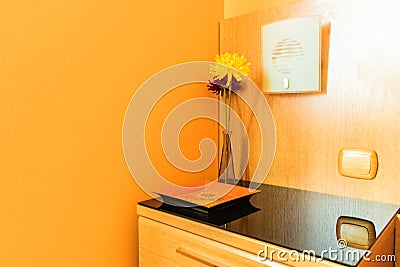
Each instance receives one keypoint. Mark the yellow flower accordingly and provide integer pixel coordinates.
(230, 65)
(235, 61)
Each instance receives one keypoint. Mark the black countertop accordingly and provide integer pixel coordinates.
(295, 219)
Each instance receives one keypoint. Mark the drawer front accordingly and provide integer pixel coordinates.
(164, 245)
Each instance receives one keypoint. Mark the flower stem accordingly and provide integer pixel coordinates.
(228, 121)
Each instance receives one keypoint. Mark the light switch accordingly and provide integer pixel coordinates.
(358, 233)
(358, 163)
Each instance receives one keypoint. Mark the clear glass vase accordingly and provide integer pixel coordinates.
(226, 171)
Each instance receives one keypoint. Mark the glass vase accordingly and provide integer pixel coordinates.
(226, 171)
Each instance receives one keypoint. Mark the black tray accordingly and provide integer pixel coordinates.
(218, 215)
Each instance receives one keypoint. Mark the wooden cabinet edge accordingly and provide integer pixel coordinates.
(397, 241)
(236, 241)
(383, 247)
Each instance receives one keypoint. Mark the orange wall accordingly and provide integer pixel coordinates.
(233, 8)
(190, 136)
(67, 72)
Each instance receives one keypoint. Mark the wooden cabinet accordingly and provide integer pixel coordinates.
(169, 240)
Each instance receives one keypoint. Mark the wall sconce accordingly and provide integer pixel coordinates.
(291, 55)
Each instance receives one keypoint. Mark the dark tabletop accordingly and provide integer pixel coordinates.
(295, 219)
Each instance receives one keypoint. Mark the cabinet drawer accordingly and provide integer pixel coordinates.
(164, 245)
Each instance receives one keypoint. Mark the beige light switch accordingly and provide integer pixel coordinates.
(358, 163)
(358, 233)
